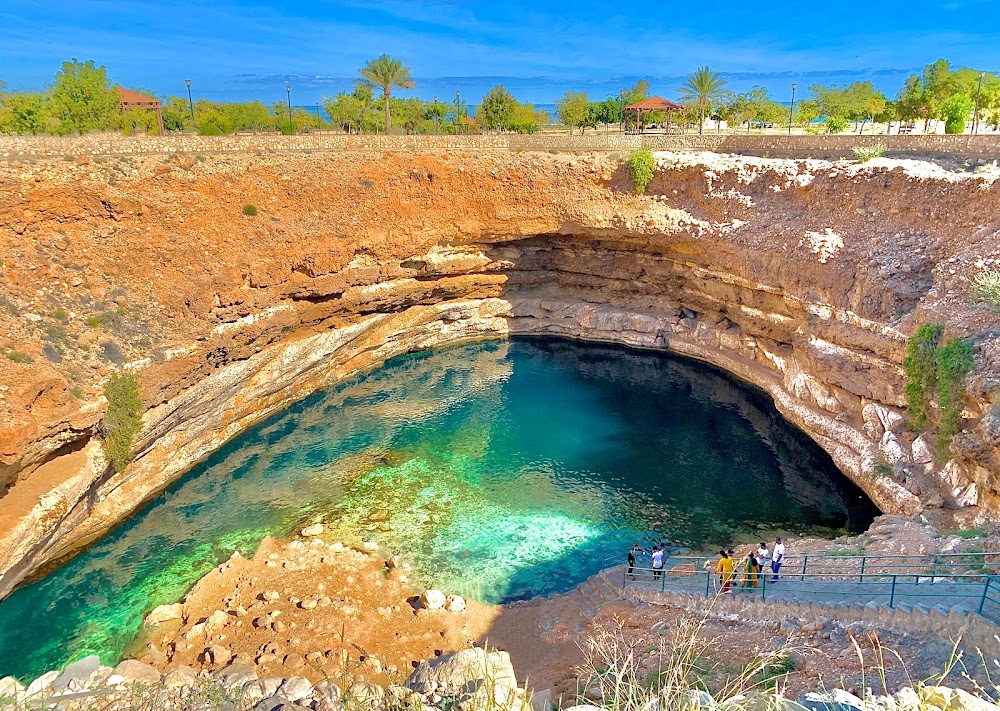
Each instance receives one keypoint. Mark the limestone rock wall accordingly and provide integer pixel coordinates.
(802, 278)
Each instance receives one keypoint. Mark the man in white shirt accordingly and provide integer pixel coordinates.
(760, 555)
(777, 558)
(657, 562)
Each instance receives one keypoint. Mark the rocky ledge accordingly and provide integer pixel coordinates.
(803, 277)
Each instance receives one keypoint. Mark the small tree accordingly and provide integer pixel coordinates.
(955, 110)
(497, 109)
(83, 100)
(574, 109)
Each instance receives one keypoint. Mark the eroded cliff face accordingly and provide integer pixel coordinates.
(804, 278)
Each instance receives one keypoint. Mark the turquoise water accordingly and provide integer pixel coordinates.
(501, 470)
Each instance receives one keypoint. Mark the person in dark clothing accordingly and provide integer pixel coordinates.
(631, 560)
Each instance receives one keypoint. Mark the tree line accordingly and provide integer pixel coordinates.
(82, 98)
(939, 92)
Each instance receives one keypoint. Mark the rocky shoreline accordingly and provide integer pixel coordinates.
(310, 624)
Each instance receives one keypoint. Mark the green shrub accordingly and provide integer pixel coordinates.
(955, 110)
(867, 152)
(986, 286)
(641, 165)
(955, 360)
(122, 421)
(18, 357)
(60, 315)
(210, 129)
(250, 210)
(921, 371)
(835, 124)
(95, 321)
(941, 369)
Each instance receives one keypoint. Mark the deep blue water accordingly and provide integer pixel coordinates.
(501, 470)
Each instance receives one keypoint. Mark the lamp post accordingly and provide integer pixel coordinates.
(187, 83)
(791, 111)
(288, 91)
(458, 111)
(975, 115)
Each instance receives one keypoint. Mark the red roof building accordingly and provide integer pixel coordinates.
(134, 100)
(652, 104)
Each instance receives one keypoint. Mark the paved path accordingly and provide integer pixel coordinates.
(912, 591)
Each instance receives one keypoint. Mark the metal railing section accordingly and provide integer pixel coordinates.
(946, 578)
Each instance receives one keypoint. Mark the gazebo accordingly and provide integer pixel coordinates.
(134, 100)
(652, 104)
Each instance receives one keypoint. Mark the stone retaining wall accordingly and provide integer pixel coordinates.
(15, 147)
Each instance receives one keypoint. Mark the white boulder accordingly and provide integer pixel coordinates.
(432, 600)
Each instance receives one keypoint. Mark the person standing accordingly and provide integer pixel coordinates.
(631, 560)
(753, 569)
(657, 562)
(761, 555)
(725, 571)
(777, 558)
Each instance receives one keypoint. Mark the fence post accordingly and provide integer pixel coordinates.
(763, 588)
(663, 581)
(892, 591)
(986, 589)
(805, 563)
(864, 559)
(708, 583)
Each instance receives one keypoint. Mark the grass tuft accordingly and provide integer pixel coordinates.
(865, 153)
(986, 286)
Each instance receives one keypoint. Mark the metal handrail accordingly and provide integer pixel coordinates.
(988, 582)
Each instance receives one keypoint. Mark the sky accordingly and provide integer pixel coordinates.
(250, 49)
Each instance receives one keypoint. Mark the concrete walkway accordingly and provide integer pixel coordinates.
(906, 592)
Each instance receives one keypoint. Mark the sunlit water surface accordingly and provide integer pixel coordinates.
(500, 470)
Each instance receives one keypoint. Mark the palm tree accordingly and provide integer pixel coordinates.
(387, 73)
(703, 88)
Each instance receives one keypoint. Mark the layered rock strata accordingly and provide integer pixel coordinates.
(803, 278)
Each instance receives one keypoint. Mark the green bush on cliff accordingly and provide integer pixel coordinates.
(641, 165)
(938, 369)
(122, 421)
(955, 360)
(921, 371)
